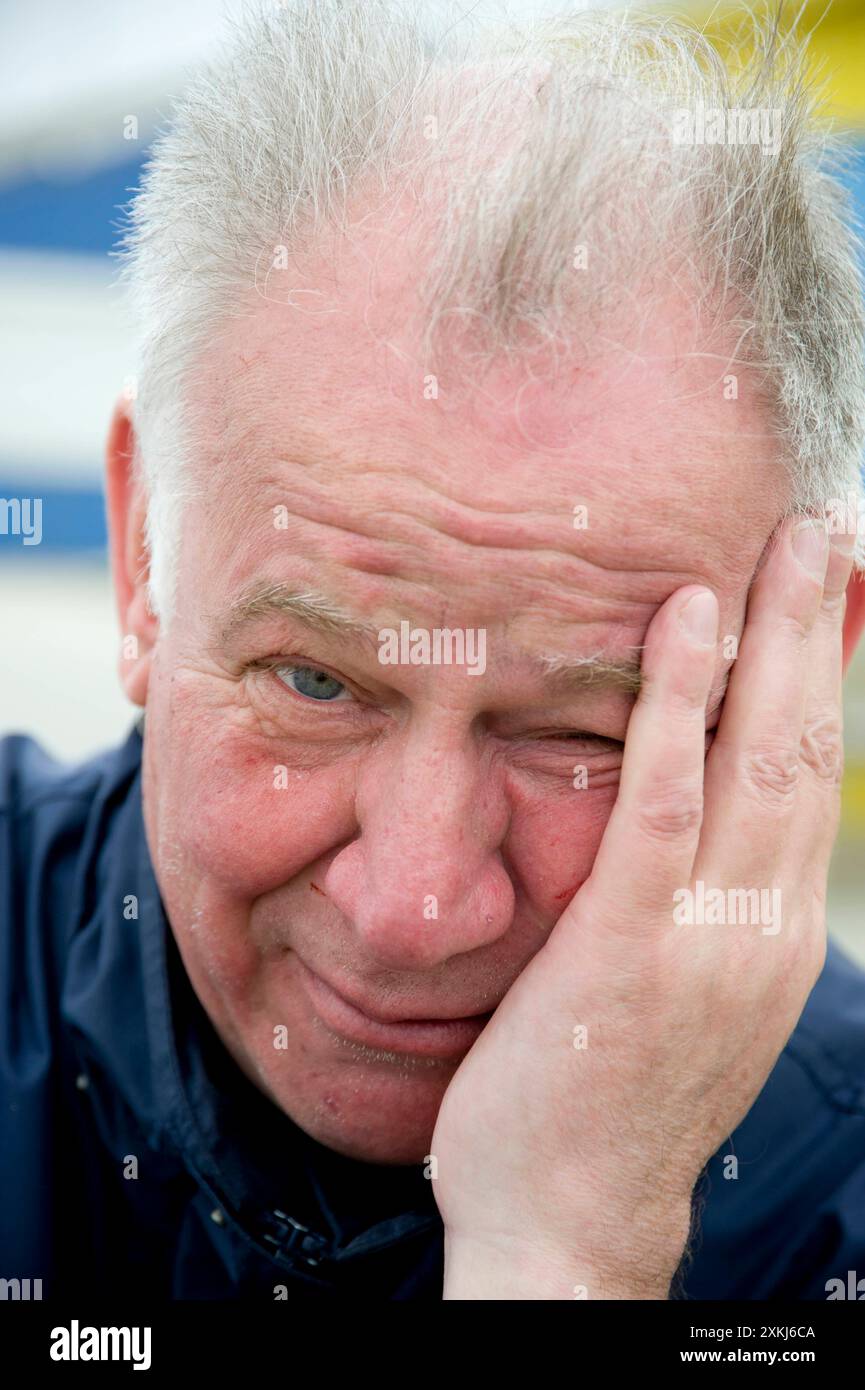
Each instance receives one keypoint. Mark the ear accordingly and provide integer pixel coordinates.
(854, 617)
(127, 509)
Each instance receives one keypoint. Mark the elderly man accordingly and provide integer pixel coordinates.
(443, 928)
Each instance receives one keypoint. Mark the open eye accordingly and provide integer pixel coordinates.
(312, 683)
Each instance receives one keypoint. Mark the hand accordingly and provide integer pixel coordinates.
(563, 1166)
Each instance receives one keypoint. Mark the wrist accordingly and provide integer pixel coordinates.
(621, 1262)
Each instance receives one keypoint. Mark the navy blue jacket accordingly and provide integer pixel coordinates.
(136, 1157)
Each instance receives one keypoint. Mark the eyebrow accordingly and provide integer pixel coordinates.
(567, 672)
(320, 614)
(306, 606)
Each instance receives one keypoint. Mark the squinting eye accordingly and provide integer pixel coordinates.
(598, 741)
(314, 684)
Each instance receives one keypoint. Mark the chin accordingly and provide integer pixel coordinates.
(372, 1110)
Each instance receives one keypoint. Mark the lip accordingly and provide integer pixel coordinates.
(421, 1037)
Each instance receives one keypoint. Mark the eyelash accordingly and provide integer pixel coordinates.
(285, 674)
(579, 736)
(296, 662)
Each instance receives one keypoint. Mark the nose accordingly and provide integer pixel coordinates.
(424, 880)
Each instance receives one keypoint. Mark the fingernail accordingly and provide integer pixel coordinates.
(699, 618)
(811, 546)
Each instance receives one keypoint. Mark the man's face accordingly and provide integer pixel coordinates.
(406, 836)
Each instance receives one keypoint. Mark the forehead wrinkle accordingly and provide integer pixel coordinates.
(412, 542)
(407, 554)
(518, 526)
(538, 536)
(483, 527)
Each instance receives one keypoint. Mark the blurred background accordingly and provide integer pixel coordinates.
(83, 89)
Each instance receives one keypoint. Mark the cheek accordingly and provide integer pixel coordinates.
(235, 813)
(552, 844)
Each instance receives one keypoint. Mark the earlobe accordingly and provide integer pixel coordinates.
(854, 617)
(127, 510)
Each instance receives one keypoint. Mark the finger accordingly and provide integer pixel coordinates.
(823, 692)
(821, 751)
(752, 771)
(651, 838)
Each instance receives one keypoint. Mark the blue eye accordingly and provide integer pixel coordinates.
(312, 683)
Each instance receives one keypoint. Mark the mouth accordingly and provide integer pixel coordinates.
(444, 1038)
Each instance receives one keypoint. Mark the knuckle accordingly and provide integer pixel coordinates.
(686, 705)
(671, 813)
(680, 701)
(795, 628)
(771, 774)
(822, 749)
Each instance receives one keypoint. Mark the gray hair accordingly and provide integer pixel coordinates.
(319, 100)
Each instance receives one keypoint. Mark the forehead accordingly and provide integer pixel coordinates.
(582, 489)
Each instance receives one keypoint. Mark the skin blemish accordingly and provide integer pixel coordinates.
(569, 892)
